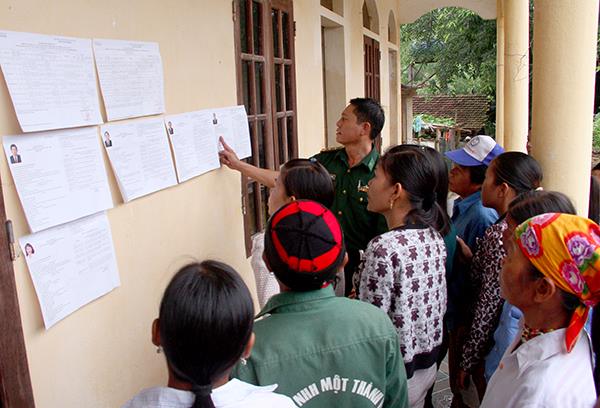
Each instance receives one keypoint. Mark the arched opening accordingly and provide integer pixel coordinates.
(370, 16)
(392, 29)
(414, 9)
(449, 72)
(337, 6)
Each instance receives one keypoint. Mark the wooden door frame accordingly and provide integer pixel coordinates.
(15, 381)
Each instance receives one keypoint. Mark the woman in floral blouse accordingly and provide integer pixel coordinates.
(509, 175)
(403, 269)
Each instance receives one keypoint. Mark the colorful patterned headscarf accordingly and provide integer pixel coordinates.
(565, 248)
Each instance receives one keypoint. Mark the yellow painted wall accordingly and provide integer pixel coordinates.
(101, 355)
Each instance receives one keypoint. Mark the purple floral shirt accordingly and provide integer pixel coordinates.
(403, 273)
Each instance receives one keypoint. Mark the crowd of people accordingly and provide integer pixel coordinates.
(367, 279)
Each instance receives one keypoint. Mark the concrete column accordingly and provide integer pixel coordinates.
(516, 74)
(564, 66)
(500, 72)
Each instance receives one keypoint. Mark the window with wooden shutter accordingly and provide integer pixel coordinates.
(266, 85)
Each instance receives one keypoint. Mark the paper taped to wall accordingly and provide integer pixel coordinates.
(140, 156)
(59, 175)
(231, 123)
(50, 79)
(71, 265)
(194, 143)
(131, 78)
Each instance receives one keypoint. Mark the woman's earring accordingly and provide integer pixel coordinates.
(159, 350)
(391, 204)
(243, 361)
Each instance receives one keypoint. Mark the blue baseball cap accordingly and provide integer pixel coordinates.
(480, 150)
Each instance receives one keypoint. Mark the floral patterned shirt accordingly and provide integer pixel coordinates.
(485, 277)
(403, 273)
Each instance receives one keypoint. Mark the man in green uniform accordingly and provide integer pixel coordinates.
(352, 166)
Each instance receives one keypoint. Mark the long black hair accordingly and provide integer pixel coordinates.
(307, 179)
(414, 170)
(439, 166)
(532, 203)
(519, 171)
(205, 321)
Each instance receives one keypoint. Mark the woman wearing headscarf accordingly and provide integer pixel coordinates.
(552, 274)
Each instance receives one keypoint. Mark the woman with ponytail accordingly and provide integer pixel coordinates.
(508, 175)
(402, 271)
(205, 328)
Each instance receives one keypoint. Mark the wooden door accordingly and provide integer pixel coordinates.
(15, 382)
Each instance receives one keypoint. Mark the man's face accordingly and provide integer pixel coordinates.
(106, 135)
(13, 150)
(348, 130)
(459, 180)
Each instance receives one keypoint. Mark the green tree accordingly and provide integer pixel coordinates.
(450, 51)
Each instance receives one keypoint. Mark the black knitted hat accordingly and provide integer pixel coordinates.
(304, 245)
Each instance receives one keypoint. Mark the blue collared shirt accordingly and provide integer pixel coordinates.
(507, 330)
(471, 218)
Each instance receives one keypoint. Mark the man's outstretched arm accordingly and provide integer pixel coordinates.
(263, 176)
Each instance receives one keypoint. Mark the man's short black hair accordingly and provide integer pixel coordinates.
(369, 110)
(477, 173)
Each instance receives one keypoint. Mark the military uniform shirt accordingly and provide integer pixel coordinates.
(350, 204)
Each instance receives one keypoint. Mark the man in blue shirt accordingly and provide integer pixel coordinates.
(471, 219)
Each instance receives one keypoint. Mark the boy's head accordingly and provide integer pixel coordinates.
(470, 163)
(304, 245)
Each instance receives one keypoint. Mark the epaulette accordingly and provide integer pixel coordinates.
(332, 149)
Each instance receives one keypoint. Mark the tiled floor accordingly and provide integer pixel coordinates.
(442, 396)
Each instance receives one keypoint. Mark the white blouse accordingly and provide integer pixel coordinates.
(266, 283)
(234, 394)
(540, 373)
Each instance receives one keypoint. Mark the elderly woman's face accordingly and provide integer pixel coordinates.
(516, 282)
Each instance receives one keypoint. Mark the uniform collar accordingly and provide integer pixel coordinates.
(463, 204)
(296, 300)
(370, 160)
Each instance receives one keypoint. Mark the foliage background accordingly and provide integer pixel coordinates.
(450, 51)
